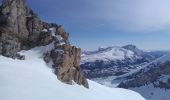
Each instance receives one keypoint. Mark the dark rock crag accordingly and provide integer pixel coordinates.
(22, 29)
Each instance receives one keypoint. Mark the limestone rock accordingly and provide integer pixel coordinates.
(21, 28)
(13, 30)
(13, 13)
(9, 45)
(67, 65)
(60, 30)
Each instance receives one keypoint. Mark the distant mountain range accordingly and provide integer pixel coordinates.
(147, 73)
(115, 61)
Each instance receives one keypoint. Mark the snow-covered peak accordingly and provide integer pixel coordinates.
(119, 53)
(130, 46)
(134, 49)
(107, 54)
(53, 31)
(102, 47)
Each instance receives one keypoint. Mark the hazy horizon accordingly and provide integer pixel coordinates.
(91, 24)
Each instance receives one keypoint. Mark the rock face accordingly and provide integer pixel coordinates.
(14, 14)
(66, 60)
(22, 29)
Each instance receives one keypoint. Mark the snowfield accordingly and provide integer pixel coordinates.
(32, 79)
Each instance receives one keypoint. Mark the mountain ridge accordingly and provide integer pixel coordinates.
(22, 29)
(114, 60)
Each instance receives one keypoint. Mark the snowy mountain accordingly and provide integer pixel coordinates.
(152, 81)
(38, 62)
(134, 49)
(157, 73)
(107, 54)
(115, 61)
(33, 79)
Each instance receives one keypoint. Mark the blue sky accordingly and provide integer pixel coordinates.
(94, 23)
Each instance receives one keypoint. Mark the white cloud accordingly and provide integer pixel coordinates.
(131, 15)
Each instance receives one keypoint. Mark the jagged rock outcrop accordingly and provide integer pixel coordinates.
(66, 59)
(21, 29)
(68, 64)
(13, 14)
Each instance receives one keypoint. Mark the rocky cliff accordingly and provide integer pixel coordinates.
(22, 29)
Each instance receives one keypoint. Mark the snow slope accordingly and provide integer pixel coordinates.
(106, 54)
(32, 79)
(119, 53)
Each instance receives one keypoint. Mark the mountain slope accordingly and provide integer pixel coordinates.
(107, 54)
(32, 79)
(156, 72)
(115, 61)
(152, 81)
(22, 29)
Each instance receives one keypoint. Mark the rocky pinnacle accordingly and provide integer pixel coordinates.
(22, 29)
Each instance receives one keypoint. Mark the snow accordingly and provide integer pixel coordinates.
(44, 30)
(113, 53)
(60, 39)
(53, 31)
(32, 79)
